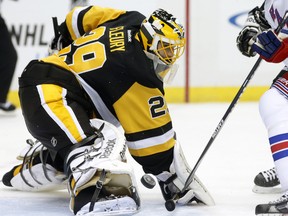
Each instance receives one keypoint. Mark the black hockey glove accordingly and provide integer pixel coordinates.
(255, 24)
(61, 39)
(57, 43)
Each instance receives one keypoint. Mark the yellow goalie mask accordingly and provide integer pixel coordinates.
(163, 36)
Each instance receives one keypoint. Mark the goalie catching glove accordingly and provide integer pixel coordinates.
(255, 24)
(172, 183)
(57, 43)
(60, 40)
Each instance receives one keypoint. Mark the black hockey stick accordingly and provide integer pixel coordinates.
(55, 26)
(230, 108)
(170, 204)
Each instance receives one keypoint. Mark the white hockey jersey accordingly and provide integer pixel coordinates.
(274, 13)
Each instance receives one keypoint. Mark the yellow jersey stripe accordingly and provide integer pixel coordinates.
(90, 19)
(53, 101)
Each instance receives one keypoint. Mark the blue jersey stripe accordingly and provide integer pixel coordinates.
(280, 155)
(278, 138)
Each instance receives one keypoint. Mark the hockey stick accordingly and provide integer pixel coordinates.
(230, 108)
(170, 204)
(55, 26)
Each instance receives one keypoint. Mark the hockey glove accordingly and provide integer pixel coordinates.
(255, 24)
(57, 43)
(271, 47)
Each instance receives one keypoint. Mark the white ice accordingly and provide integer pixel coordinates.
(237, 154)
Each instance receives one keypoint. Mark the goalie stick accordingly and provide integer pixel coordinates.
(55, 26)
(170, 204)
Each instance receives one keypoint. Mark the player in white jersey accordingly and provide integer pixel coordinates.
(258, 37)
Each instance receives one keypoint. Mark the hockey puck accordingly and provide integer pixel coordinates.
(148, 181)
(170, 205)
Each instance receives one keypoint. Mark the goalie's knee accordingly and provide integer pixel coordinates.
(107, 189)
(100, 178)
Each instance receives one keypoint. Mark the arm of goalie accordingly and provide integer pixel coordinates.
(61, 37)
(171, 183)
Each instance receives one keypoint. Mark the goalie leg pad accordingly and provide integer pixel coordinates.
(175, 181)
(38, 179)
(100, 177)
(114, 194)
(111, 206)
(34, 174)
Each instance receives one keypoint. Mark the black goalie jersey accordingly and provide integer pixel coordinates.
(109, 62)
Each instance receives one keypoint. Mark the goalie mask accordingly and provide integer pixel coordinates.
(163, 41)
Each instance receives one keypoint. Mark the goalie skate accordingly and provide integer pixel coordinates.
(111, 205)
(276, 208)
(267, 182)
(34, 173)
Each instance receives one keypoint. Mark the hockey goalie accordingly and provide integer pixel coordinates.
(98, 178)
(108, 65)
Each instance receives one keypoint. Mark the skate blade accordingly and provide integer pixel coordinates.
(272, 214)
(267, 190)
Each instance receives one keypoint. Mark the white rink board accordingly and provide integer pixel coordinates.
(214, 58)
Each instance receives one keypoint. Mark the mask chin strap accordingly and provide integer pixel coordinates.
(164, 72)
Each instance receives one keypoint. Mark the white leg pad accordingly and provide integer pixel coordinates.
(182, 169)
(119, 206)
(37, 179)
(88, 163)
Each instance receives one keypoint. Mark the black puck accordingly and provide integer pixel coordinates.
(148, 181)
(170, 205)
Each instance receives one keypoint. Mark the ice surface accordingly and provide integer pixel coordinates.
(239, 152)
